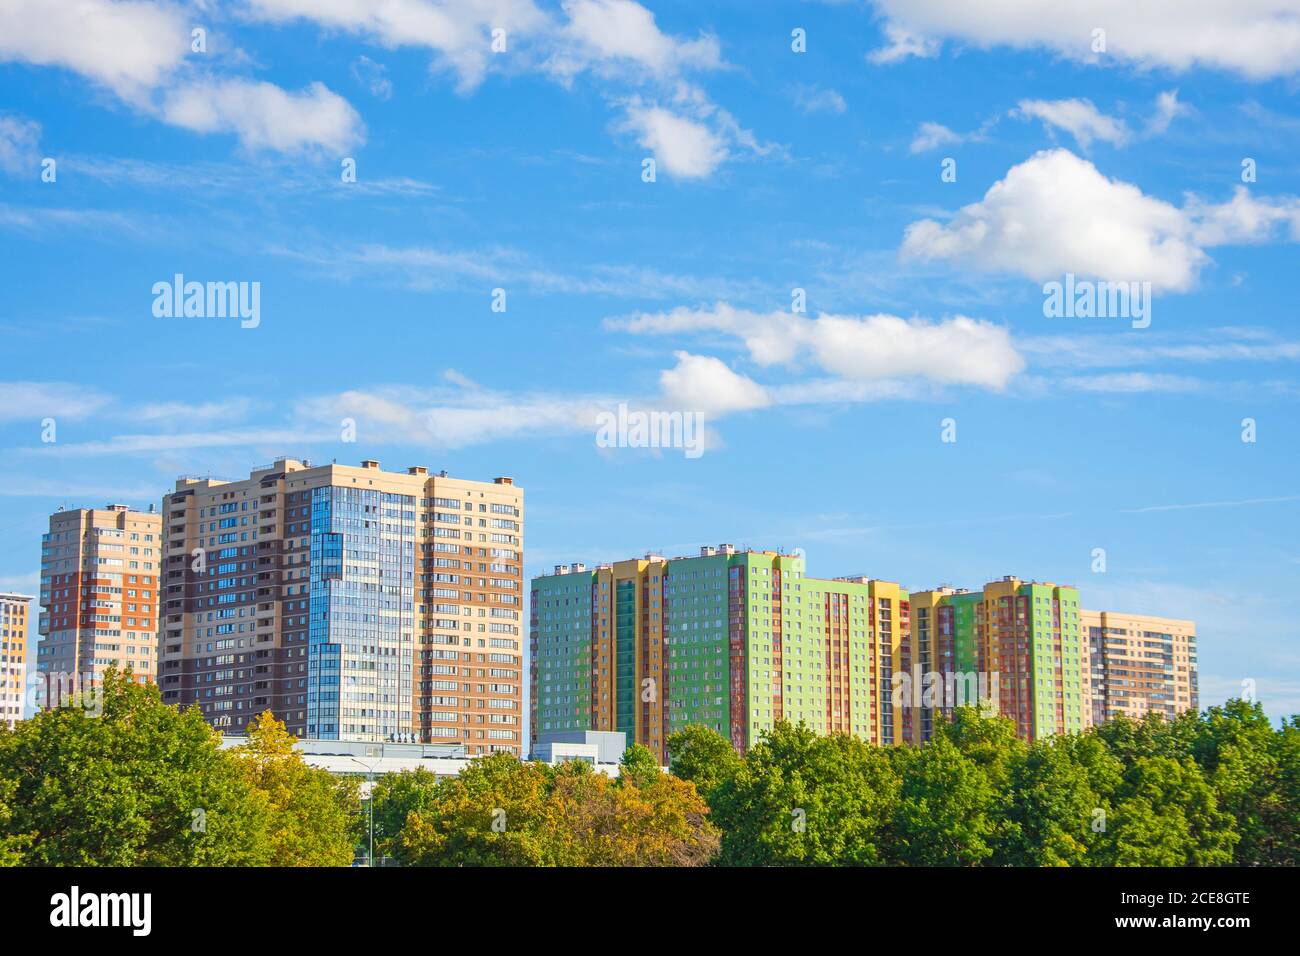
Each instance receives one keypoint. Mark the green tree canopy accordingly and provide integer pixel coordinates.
(396, 796)
(946, 813)
(144, 784)
(801, 799)
(703, 756)
(312, 814)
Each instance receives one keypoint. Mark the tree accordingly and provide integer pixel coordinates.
(703, 756)
(1239, 753)
(12, 845)
(638, 766)
(645, 818)
(494, 813)
(801, 799)
(1149, 736)
(946, 811)
(501, 812)
(1166, 815)
(313, 814)
(1056, 803)
(394, 798)
(1283, 845)
(142, 785)
(990, 742)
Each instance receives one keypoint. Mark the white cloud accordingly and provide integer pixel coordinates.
(604, 32)
(617, 41)
(374, 76)
(683, 147)
(33, 401)
(957, 351)
(129, 47)
(815, 99)
(457, 31)
(1079, 118)
(138, 49)
(19, 142)
(264, 116)
(1127, 382)
(1082, 120)
(1144, 348)
(1257, 38)
(610, 37)
(1243, 219)
(903, 43)
(1056, 213)
(933, 135)
(705, 384)
(1168, 108)
(190, 413)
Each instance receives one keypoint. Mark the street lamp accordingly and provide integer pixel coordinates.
(370, 772)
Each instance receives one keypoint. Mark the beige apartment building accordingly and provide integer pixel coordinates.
(1138, 663)
(354, 603)
(99, 591)
(13, 655)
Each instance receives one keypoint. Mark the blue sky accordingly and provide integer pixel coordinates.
(775, 170)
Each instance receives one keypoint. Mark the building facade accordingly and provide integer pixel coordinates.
(730, 639)
(14, 618)
(1016, 644)
(1139, 664)
(356, 604)
(99, 593)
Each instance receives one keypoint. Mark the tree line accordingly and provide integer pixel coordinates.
(148, 784)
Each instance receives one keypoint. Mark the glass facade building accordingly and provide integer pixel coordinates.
(362, 627)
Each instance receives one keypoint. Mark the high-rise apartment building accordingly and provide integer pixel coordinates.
(13, 655)
(354, 603)
(99, 591)
(730, 639)
(1138, 663)
(1019, 642)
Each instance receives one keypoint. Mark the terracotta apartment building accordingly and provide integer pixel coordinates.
(99, 591)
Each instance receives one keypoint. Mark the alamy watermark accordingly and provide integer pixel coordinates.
(51, 690)
(208, 300)
(651, 429)
(1088, 299)
(944, 689)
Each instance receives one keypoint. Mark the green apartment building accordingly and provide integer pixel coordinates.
(730, 639)
(1020, 642)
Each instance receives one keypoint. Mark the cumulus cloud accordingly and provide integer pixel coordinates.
(933, 135)
(1258, 39)
(264, 116)
(129, 47)
(705, 384)
(618, 41)
(684, 147)
(903, 43)
(1056, 213)
(956, 351)
(458, 32)
(1082, 120)
(620, 33)
(138, 49)
(1242, 220)
(1079, 118)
